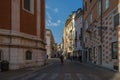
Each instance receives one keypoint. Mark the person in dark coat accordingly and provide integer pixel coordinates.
(62, 59)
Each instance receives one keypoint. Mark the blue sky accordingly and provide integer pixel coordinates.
(57, 11)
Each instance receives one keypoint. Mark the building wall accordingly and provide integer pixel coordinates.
(50, 43)
(78, 26)
(28, 20)
(23, 36)
(5, 14)
(109, 35)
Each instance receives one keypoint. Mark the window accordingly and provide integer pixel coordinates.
(91, 18)
(80, 19)
(90, 54)
(114, 50)
(94, 34)
(76, 39)
(28, 55)
(99, 7)
(86, 25)
(99, 31)
(94, 52)
(106, 4)
(28, 5)
(116, 20)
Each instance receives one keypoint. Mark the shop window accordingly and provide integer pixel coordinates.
(114, 50)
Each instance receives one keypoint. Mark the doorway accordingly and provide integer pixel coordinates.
(99, 55)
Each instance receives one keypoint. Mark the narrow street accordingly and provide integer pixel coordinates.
(68, 71)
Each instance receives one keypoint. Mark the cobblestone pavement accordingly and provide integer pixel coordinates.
(68, 71)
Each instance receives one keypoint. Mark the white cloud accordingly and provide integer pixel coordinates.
(50, 23)
(47, 7)
(52, 9)
(56, 10)
(48, 16)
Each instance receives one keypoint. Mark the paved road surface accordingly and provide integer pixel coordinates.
(69, 71)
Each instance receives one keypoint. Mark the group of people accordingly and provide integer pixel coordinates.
(71, 58)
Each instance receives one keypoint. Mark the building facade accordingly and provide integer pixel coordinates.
(22, 28)
(68, 35)
(101, 33)
(77, 45)
(50, 44)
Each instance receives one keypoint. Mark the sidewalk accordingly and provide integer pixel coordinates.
(12, 74)
(96, 66)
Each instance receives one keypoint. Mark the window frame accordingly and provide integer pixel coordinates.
(106, 4)
(31, 11)
(86, 26)
(94, 50)
(28, 55)
(99, 7)
(91, 18)
(116, 16)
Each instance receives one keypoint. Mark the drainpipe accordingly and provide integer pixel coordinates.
(10, 34)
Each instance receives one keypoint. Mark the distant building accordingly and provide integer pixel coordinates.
(50, 44)
(102, 32)
(68, 35)
(22, 26)
(55, 50)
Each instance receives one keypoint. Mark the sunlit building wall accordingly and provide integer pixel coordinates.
(50, 51)
(78, 50)
(68, 35)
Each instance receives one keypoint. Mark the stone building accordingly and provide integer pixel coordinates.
(22, 28)
(77, 44)
(101, 32)
(68, 35)
(50, 43)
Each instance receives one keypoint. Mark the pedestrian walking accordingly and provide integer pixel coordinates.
(62, 59)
